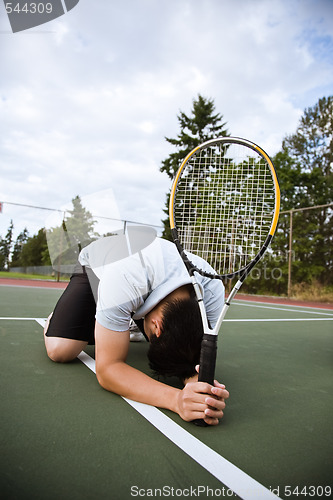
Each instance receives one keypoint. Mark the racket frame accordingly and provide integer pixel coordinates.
(209, 341)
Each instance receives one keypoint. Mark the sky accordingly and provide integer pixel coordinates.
(86, 100)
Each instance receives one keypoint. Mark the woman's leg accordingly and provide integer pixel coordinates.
(62, 350)
(70, 327)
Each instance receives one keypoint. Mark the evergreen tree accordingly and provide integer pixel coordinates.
(79, 224)
(21, 240)
(33, 249)
(76, 231)
(2, 257)
(311, 149)
(304, 168)
(6, 247)
(202, 125)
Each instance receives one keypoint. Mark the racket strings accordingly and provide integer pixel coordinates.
(224, 205)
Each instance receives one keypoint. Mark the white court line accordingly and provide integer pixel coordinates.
(279, 319)
(41, 321)
(252, 304)
(231, 476)
(300, 308)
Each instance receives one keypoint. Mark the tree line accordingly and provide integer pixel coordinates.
(304, 166)
(47, 246)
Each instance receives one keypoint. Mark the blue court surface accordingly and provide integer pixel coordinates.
(64, 437)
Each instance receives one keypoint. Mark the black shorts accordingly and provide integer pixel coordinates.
(74, 314)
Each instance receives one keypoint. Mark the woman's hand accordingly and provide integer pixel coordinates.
(200, 400)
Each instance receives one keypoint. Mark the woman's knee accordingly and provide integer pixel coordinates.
(59, 355)
(62, 350)
(56, 350)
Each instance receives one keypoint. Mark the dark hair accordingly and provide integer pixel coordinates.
(177, 350)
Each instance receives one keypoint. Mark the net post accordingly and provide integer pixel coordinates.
(290, 250)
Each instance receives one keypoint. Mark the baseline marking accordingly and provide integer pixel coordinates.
(280, 319)
(300, 307)
(41, 321)
(282, 309)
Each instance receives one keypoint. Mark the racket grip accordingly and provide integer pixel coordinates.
(208, 359)
(207, 365)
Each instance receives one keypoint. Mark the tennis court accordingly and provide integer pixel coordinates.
(63, 436)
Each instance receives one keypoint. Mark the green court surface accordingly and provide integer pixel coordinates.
(64, 437)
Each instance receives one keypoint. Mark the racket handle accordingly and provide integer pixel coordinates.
(207, 365)
(208, 359)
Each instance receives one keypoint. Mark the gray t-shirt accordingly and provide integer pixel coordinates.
(132, 286)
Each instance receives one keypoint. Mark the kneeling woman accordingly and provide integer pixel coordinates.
(153, 288)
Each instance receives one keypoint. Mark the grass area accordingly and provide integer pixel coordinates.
(314, 292)
(5, 274)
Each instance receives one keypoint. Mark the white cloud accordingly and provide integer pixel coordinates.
(86, 106)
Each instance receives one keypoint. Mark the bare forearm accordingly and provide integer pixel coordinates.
(128, 382)
(196, 400)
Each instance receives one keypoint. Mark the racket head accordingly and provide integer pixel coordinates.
(224, 206)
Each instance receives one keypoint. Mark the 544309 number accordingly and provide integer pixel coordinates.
(29, 8)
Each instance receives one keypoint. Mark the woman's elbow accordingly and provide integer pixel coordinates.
(101, 379)
(108, 376)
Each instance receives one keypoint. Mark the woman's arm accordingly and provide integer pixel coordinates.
(196, 400)
(115, 375)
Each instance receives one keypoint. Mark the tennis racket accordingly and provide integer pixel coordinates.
(224, 207)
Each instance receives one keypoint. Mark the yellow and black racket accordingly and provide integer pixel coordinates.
(224, 207)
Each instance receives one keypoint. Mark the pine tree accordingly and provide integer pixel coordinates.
(6, 247)
(202, 125)
(33, 249)
(79, 224)
(311, 148)
(74, 233)
(2, 256)
(21, 240)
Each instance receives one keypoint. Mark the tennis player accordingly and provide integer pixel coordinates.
(152, 288)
